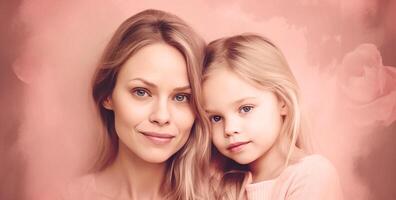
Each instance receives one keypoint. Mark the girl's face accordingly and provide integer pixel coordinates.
(153, 115)
(245, 119)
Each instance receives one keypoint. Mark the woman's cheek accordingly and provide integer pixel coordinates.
(134, 112)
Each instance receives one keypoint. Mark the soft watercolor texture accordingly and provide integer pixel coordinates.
(342, 53)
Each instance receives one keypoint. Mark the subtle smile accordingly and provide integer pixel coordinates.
(237, 146)
(158, 138)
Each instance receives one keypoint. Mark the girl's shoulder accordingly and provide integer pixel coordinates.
(309, 167)
(315, 164)
(313, 176)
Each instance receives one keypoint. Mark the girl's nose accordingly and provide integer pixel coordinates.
(231, 127)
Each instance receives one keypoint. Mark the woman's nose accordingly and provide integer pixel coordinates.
(160, 114)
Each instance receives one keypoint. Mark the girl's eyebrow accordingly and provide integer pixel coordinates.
(239, 101)
(208, 111)
(235, 103)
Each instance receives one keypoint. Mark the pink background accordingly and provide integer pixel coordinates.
(342, 53)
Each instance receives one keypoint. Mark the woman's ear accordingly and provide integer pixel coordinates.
(107, 103)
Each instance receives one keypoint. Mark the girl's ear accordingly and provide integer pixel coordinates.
(107, 103)
(282, 107)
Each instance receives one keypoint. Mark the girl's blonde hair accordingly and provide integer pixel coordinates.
(257, 59)
(185, 177)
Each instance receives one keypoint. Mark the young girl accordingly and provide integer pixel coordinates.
(147, 92)
(251, 98)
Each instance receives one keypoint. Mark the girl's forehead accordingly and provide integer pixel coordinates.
(229, 79)
(224, 87)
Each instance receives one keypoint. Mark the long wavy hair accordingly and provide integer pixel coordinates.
(257, 59)
(185, 176)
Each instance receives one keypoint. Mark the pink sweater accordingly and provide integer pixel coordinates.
(312, 178)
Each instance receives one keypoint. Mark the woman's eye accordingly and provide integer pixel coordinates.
(182, 97)
(245, 109)
(215, 118)
(141, 93)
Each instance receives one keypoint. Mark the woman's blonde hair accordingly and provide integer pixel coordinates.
(185, 178)
(257, 59)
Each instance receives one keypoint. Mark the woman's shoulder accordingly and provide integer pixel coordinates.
(83, 182)
(82, 187)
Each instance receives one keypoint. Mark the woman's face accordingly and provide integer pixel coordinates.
(151, 103)
(245, 119)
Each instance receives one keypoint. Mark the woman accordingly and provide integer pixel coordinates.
(147, 90)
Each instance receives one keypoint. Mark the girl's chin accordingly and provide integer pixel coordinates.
(242, 161)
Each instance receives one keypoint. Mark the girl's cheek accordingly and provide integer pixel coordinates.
(217, 137)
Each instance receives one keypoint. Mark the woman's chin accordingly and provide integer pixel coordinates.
(156, 157)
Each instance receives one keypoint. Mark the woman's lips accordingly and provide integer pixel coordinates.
(158, 138)
(237, 146)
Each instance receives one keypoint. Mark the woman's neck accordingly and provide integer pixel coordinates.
(272, 163)
(131, 177)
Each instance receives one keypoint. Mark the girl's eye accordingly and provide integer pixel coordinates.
(215, 118)
(141, 92)
(182, 97)
(245, 109)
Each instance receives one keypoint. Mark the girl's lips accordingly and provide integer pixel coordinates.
(158, 138)
(237, 146)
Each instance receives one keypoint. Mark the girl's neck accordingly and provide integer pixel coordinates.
(130, 176)
(273, 162)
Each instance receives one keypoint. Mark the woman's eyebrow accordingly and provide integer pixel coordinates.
(183, 88)
(187, 87)
(143, 81)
